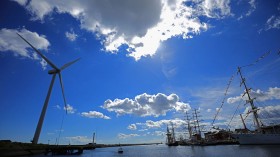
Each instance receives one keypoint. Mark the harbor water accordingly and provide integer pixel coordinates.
(185, 151)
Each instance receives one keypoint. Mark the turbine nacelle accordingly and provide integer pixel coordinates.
(53, 71)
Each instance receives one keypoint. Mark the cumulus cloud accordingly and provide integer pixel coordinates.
(270, 114)
(159, 133)
(216, 8)
(235, 99)
(125, 136)
(132, 127)
(71, 35)
(141, 25)
(10, 42)
(272, 93)
(21, 2)
(94, 114)
(146, 105)
(162, 123)
(70, 109)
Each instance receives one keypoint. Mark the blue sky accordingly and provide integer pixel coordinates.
(143, 64)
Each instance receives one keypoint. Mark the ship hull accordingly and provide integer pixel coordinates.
(173, 144)
(257, 139)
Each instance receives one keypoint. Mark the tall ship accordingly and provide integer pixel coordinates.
(171, 140)
(263, 134)
(196, 132)
(194, 129)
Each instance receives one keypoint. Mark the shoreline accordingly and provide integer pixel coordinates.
(14, 149)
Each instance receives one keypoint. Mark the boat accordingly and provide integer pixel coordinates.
(120, 150)
(196, 132)
(264, 134)
(171, 140)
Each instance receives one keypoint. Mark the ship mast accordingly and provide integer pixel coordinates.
(197, 121)
(244, 125)
(169, 136)
(250, 100)
(189, 125)
(93, 139)
(173, 133)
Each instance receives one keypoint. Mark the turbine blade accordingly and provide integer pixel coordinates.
(39, 53)
(62, 88)
(68, 64)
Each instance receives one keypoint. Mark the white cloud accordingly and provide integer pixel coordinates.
(125, 136)
(217, 109)
(159, 133)
(232, 100)
(273, 23)
(155, 133)
(209, 110)
(21, 2)
(216, 8)
(71, 35)
(37, 9)
(141, 25)
(270, 114)
(11, 42)
(43, 64)
(132, 127)
(94, 114)
(70, 109)
(272, 93)
(252, 7)
(273, 111)
(146, 105)
(163, 123)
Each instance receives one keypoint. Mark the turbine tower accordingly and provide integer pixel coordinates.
(52, 72)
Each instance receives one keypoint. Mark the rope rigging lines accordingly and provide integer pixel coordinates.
(226, 92)
(242, 80)
(259, 59)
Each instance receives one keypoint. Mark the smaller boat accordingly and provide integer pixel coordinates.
(120, 150)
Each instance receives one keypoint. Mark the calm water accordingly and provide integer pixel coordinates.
(186, 151)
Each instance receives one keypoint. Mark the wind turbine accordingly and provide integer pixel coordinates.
(53, 72)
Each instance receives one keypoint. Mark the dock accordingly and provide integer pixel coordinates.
(64, 150)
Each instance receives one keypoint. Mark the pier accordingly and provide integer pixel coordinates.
(64, 150)
(13, 149)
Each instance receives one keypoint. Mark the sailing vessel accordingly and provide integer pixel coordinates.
(195, 130)
(120, 150)
(263, 134)
(171, 140)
